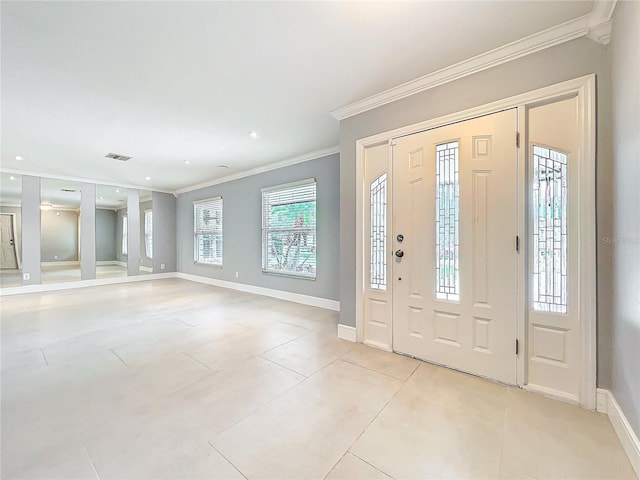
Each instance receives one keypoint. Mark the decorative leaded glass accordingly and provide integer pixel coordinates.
(549, 230)
(378, 233)
(447, 222)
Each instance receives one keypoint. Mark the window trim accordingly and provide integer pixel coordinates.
(214, 231)
(266, 229)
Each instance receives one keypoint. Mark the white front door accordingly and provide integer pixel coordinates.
(7, 242)
(454, 267)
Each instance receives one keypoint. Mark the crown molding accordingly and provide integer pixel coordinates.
(264, 168)
(80, 179)
(596, 25)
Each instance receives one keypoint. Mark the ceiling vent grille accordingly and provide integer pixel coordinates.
(115, 156)
(70, 190)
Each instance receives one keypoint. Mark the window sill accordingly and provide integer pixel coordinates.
(214, 265)
(289, 275)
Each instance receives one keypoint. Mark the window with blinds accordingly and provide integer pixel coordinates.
(148, 233)
(289, 229)
(124, 235)
(207, 223)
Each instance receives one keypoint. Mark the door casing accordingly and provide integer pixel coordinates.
(584, 89)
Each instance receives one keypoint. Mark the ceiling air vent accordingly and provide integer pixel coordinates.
(115, 156)
(70, 190)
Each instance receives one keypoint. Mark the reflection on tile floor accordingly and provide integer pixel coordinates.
(173, 379)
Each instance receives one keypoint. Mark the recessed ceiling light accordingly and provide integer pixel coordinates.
(45, 206)
(101, 198)
(117, 190)
(253, 134)
(12, 177)
(147, 178)
(223, 167)
(187, 162)
(19, 158)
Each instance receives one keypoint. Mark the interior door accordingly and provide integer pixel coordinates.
(7, 242)
(454, 245)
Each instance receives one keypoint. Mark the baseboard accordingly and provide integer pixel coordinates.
(551, 393)
(378, 345)
(146, 269)
(267, 292)
(346, 332)
(102, 263)
(51, 287)
(64, 263)
(607, 404)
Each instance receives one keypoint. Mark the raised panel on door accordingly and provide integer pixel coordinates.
(455, 289)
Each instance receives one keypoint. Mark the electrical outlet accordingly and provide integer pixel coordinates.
(26, 276)
(237, 275)
(162, 266)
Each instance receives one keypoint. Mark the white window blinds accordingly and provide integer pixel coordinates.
(289, 229)
(208, 231)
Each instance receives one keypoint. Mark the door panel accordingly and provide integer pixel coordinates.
(7, 242)
(554, 347)
(455, 287)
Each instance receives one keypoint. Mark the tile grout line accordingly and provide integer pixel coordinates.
(282, 366)
(229, 461)
(95, 470)
(44, 356)
(348, 450)
(119, 358)
(370, 464)
(376, 371)
(198, 361)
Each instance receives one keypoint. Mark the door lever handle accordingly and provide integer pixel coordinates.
(399, 253)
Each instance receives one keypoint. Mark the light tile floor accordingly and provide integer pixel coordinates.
(173, 379)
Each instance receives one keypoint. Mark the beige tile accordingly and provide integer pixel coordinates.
(545, 438)
(435, 427)
(396, 366)
(308, 354)
(351, 467)
(305, 432)
(167, 430)
(72, 464)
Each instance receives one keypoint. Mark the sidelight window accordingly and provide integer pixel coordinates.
(378, 233)
(549, 230)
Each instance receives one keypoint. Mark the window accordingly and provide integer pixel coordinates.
(289, 229)
(549, 230)
(378, 233)
(208, 231)
(148, 233)
(447, 222)
(124, 235)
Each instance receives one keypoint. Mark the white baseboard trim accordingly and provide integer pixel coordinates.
(551, 393)
(146, 269)
(102, 263)
(267, 292)
(52, 287)
(345, 332)
(607, 404)
(64, 263)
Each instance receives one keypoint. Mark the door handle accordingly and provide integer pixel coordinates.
(399, 253)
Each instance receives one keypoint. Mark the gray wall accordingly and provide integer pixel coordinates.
(623, 246)
(164, 232)
(106, 235)
(133, 231)
(144, 260)
(88, 231)
(242, 227)
(557, 64)
(17, 213)
(31, 229)
(59, 241)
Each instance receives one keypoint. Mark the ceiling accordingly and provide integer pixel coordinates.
(169, 82)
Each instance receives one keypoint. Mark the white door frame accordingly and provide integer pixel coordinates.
(584, 88)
